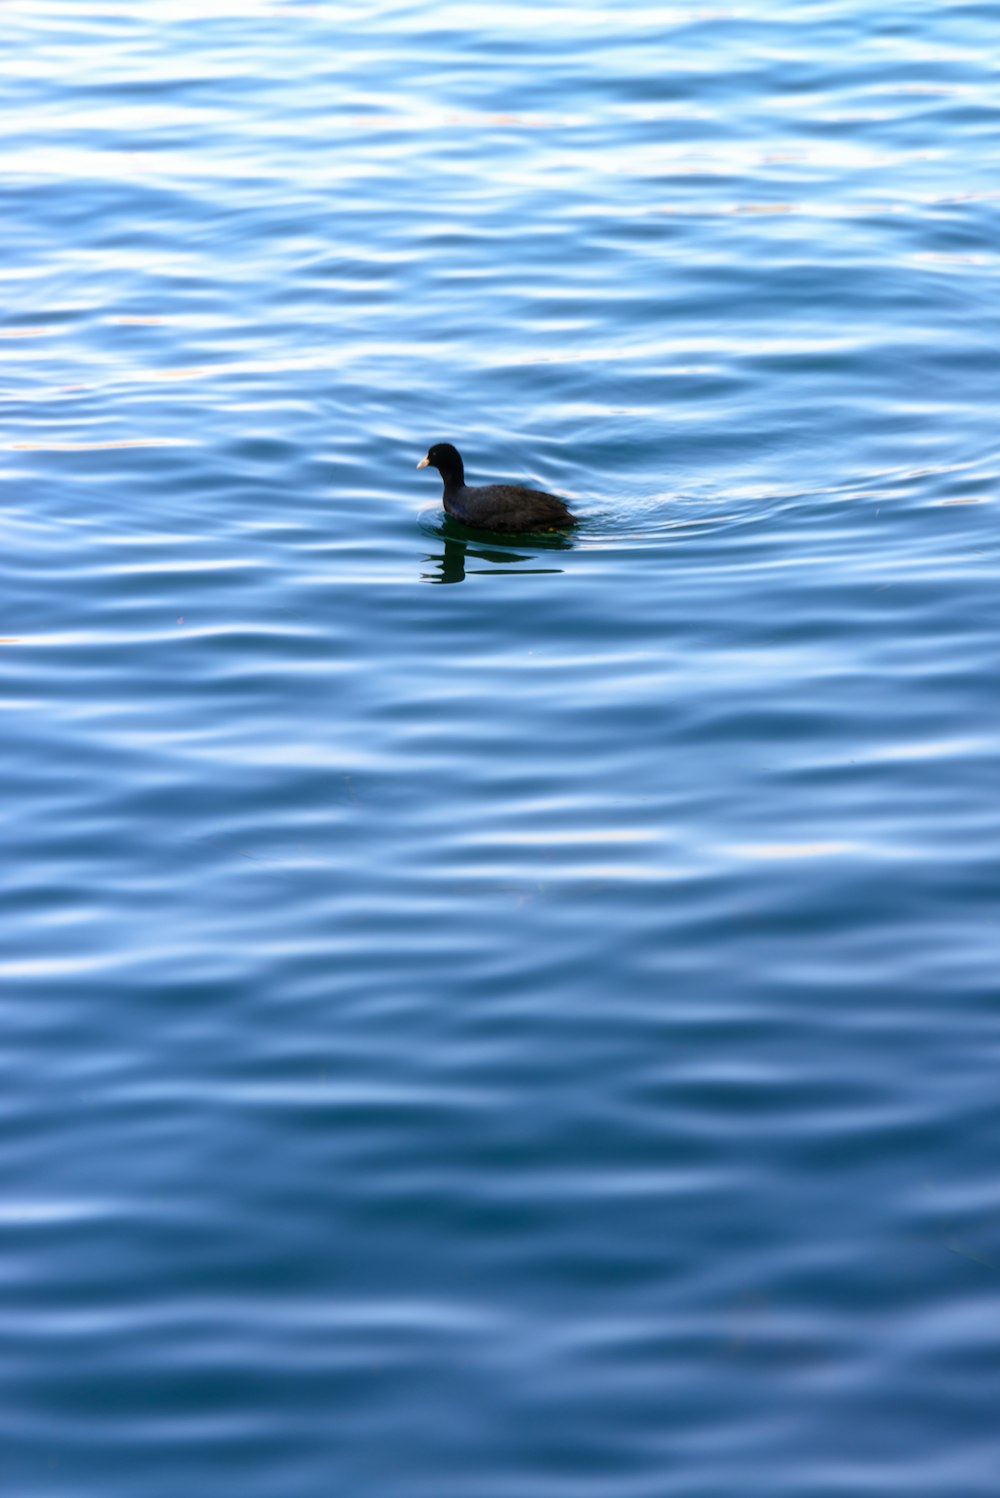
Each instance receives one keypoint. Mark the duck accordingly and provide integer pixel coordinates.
(494, 507)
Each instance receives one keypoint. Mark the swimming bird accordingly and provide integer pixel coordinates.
(494, 507)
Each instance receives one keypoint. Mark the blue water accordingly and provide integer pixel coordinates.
(478, 1017)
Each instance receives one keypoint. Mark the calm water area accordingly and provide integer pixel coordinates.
(481, 1016)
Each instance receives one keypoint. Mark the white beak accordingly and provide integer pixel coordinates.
(423, 463)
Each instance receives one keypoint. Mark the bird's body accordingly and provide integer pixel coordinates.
(494, 507)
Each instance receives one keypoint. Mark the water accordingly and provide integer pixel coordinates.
(479, 1017)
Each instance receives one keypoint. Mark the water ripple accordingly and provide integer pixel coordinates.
(535, 1034)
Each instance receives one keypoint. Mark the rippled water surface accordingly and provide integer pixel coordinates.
(488, 1016)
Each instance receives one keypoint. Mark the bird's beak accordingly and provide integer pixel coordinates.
(424, 463)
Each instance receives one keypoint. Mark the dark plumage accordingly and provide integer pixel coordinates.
(494, 507)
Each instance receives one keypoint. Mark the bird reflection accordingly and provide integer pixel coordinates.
(459, 548)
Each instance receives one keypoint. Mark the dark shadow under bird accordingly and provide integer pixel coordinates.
(494, 507)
